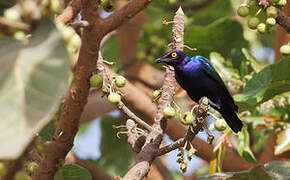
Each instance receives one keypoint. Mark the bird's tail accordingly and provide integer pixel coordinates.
(232, 120)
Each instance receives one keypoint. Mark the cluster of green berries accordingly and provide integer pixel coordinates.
(271, 13)
(114, 98)
(71, 38)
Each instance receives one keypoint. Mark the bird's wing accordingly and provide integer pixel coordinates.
(210, 71)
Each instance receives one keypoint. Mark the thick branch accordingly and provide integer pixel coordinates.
(69, 12)
(76, 99)
(283, 20)
(147, 155)
(125, 13)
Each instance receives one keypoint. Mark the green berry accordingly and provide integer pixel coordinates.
(75, 41)
(114, 98)
(96, 81)
(271, 21)
(12, 14)
(271, 11)
(108, 6)
(168, 112)
(282, 3)
(120, 81)
(285, 49)
(253, 22)
(19, 35)
(156, 94)
(31, 167)
(243, 10)
(261, 27)
(21, 175)
(187, 118)
(220, 125)
(3, 169)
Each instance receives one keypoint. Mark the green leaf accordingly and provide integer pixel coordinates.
(72, 172)
(32, 80)
(278, 170)
(221, 36)
(244, 149)
(117, 155)
(282, 142)
(269, 82)
(253, 61)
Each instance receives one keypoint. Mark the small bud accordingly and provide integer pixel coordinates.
(32, 166)
(285, 49)
(220, 125)
(271, 21)
(156, 94)
(186, 118)
(210, 139)
(168, 112)
(253, 22)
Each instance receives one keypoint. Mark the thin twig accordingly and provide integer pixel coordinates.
(70, 12)
(18, 25)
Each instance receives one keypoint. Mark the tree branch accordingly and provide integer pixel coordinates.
(283, 20)
(147, 155)
(124, 14)
(77, 96)
(70, 12)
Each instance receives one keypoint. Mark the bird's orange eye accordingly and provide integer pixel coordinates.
(174, 54)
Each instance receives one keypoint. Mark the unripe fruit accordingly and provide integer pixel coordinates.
(32, 166)
(156, 94)
(220, 125)
(75, 41)
(253, 22)
(114, 98)
(186, 118)
(285, 49)
(271, 21)
(21, 175)
(3, 169)
(96, 81)
(108, 6)
(282, 3)
(12, 14)
(168, 112)
(67, 33)
(261, 27)
(243, 10)
(120, 81)
(271, 11)
(19, 35)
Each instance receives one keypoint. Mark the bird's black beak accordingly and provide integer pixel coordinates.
(164, 60)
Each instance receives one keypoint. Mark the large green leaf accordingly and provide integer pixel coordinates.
(221, 36)
(269, 82)
(72, 172)
(282, 142)
(32, 79)
(117, 155)
(244, 145)
(276, 170)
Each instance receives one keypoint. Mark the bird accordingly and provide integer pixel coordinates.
(199, 79)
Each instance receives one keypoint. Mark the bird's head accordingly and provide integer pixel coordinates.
(173, 58)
